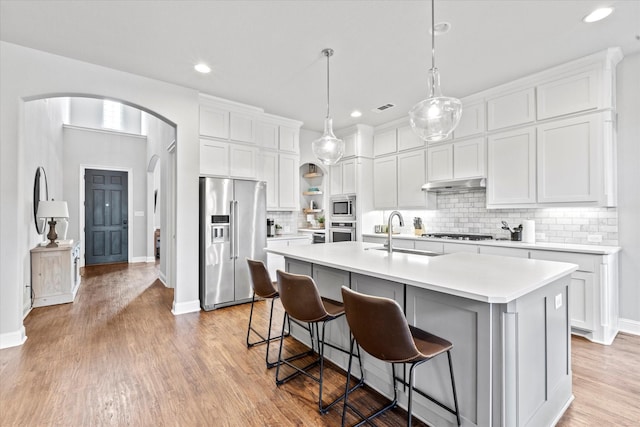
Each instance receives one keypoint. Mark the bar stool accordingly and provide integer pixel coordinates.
(302, 303)
(263, 287)
(379, 326)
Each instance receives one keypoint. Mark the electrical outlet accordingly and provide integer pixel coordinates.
(558, 301)
(594, 238)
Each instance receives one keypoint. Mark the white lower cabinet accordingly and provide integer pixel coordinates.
(276, 262)
(498, 250)
(451, 248)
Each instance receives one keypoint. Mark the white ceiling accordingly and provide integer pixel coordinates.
(268, 53)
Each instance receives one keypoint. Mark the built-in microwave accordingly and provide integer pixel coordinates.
(343, 208)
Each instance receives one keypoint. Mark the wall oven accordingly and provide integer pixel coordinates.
(342, 231)
(343, 208)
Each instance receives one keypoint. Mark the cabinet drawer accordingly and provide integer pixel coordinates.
(585, 262)
(493, 250)
(451, 248)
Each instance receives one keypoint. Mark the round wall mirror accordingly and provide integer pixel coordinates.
(40, 192)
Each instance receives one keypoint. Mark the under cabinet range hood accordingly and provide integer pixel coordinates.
(455, 185)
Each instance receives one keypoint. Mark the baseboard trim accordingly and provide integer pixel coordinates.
(13, 339)
(138, 259)
(629, 326)
(185, 307)
(163, 279)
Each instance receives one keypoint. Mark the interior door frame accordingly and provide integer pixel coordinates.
(81, 199)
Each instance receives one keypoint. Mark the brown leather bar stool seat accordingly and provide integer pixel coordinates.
(302, 303)
(264, 288)
(379, 326)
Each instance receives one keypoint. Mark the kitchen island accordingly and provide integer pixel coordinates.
(507, 318)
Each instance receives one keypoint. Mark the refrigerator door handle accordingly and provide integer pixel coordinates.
(232, 242)
(236, 237)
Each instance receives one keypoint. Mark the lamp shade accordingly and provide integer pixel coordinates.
(53, 209)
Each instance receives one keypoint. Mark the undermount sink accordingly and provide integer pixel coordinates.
(405, 251)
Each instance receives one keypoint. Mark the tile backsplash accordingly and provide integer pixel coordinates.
(466, 212)
(288, 220)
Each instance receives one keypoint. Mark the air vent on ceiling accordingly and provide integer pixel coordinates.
(382, 108)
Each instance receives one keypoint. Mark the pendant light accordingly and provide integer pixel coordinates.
(328, 149)
(437, 116)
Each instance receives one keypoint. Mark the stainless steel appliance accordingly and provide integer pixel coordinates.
(271, 227)
(318, 237)
(458, 236)
(343, 208)
(233, 227)
(342, 231)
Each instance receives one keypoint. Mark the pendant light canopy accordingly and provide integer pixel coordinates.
(437, 116)
(328, 149)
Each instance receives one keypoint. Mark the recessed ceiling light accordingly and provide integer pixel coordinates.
(202, 68)
(356, 113)
(598, 14)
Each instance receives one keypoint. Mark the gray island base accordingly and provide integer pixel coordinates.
(507, 318)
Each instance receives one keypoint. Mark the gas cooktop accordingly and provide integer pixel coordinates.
(458, 236)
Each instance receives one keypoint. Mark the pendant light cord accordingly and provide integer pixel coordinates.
(328, 53)
(433, 35)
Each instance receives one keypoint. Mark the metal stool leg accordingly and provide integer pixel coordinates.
(453, 386)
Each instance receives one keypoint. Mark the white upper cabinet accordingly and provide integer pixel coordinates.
(469, 159)
(289, 139)
(384, 142)
(411, 177)
(350, 145)
(472, 121)
(242, 161)
(569, 168)
(214, 122)
(572, 94)
(407, 139)
(269, 174)
(268, 135)
(385, 183)
(512, 168)
(289, 181)
(440, 162)
(511, 109)
(242, 127)
(214, 157)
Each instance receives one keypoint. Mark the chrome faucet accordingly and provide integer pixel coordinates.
(390, 228)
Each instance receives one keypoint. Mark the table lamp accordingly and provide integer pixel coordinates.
(52, 209)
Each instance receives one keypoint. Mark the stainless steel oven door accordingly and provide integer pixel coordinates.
(342, 234)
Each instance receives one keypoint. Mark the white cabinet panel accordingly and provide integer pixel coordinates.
(242, 161)
(288, 139)
(335, 172)
(288, 181)
(269, 161)
(214, 122)
(578, 92)
(451, 248)
(384, 142)
(214, 157)
(268, 136)
(411, 177)
(425, 245)
(385, 183)
(242, 127)
(568, 167)
(497, 250)
(407, 139)
(581, 308)
(469, 159)
(349, 176)
(511, 175)
(350, 145)
(512, 109)
(472, 121)
(440, 162)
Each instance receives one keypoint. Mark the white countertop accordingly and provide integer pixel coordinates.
(290, 236)
(312, 230)
(485, 278)
(544, 246)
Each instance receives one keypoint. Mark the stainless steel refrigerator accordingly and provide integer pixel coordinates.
(233, 227)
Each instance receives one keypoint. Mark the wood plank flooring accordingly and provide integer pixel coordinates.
(117, 356)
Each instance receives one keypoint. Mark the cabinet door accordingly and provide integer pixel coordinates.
(288, 181)
(407, 139)
(472, 120)
(502, 251)
(274, 261)
(268, 136)
(385, 183)
(350, 145)
(242, 161)
(511, 174)
(512, 109)
(336, 178)
(452, 248)
(214, 157)
(214, 122)
(578, 92)
(469, 159)
(440, 162)
(349, 176)
(384, 142)
(411, 177)
(288, 139)
(269, 174)
(581, 300)
(242, 127)
(568, 167)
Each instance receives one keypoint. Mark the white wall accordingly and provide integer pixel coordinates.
(88, 112)
(628, 106)
(107, 150)
(27, 74)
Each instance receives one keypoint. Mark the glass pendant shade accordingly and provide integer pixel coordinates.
(437, 116)
(328, 149)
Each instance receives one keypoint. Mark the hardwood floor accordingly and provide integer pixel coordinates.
(117, 356)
